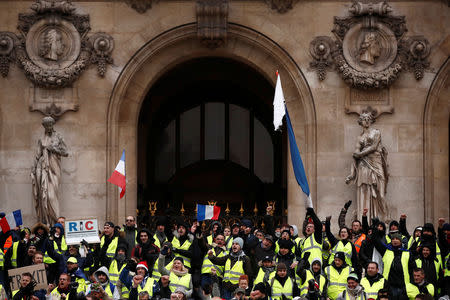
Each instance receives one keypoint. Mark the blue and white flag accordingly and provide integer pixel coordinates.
(280, 110)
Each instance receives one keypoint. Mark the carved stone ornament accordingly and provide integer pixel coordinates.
(141, 6)
(212, 22)
(370, 49)
(281, 6)
(7, 41)
(320, 50)
(103, 45)
(53, 47)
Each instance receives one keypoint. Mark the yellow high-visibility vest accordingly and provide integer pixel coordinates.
(148, 287)
(112, 247)
(232, 274)
(337, 282)
(179, 281)
(185, 246)
(260, 276)
(372, 290)
(155, 274)
(114, 272)
(15, 246)
(339, 247)
(208, 265)
(313, 247)
(412, 291)
(388, 257)
(309, 276)
(279, 290)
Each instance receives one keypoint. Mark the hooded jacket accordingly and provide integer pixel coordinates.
(104, 285)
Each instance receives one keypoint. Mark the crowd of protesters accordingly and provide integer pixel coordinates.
(179, 261)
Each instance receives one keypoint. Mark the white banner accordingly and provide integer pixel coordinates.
(79, 230)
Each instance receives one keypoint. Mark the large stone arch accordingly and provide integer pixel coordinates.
(178, 45)
(436, 123)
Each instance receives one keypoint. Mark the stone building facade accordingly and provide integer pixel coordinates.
(148, 63)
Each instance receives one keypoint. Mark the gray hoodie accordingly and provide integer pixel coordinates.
(105, 285)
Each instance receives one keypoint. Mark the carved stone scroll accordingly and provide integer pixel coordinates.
(371, 49)
(212, 22)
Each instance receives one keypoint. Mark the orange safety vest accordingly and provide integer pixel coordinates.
(8, 244)
(359, 241)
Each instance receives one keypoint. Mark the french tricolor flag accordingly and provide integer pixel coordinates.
(207, 212)
(11, 220)
(118, 176)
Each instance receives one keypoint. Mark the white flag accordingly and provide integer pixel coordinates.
(278, 105)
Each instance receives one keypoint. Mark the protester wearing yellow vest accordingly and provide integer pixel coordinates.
(116, 267)
(373, 282)
(141, 282)
(266, 271)
(282, 286)
(108, 244)
(102, 277)
(63, 289)
(397, 263)
(353, 291)
(428, 237)
(303, 276)
(343, 245)
(312, 243)
(236, 264)
(337, 274)
(178, 274)
(430, 264)
(76, 274)
(420, 286)
(181, 243)
(160, 234)
(209, 269)
(26, 288)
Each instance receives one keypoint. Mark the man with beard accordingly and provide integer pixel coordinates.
(266, 270)
(282, 286)
(354, 290)
(304, 275)
(234, 234)
(101, 277)
(428, 237)
(76, 274)
(208, 268)
(130, 230)
(63, 291)
(145, 249)
(430, 264)
(215, 228)
(311, 246)
(236, 264)
(337, 274)
(374, 281)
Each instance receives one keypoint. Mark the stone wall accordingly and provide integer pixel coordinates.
(148, 44)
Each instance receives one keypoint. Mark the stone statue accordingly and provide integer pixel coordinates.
(370, 48)
(52, 46)
(46, 172)
(369, 170)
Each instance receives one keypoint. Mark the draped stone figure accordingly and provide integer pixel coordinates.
(46, 172)
(369, 170)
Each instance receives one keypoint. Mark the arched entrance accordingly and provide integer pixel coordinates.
(205, 134)
(180, 45)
